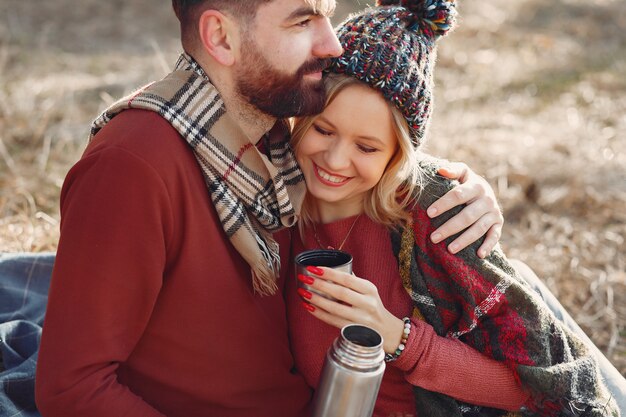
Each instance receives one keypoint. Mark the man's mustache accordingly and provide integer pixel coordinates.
(315, 65)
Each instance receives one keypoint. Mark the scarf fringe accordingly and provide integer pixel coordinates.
(264, 282)
(264, 277)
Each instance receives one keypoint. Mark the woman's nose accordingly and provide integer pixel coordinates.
(337, 157)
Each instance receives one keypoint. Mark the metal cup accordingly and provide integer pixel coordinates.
(330, 258)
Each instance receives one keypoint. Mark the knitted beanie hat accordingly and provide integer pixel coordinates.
(391, 47)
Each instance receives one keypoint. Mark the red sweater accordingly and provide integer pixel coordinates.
(151, 310)
(432, 362)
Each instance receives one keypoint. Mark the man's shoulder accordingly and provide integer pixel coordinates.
(144, 134)
(136, 129)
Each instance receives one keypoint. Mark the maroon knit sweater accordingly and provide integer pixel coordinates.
(151, 310)
(435, 363)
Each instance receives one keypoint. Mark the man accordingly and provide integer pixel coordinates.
(164, 297)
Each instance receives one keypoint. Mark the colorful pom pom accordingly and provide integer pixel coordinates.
(434, 18)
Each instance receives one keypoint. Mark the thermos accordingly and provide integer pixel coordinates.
(351, 376)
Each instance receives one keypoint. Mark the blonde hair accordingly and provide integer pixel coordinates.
(388, 200)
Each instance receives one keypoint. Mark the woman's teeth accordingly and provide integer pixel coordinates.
(330, 178)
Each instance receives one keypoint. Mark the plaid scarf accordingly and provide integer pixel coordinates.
(488, 306)
(253, 195)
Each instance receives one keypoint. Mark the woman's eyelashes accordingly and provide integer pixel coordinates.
(367, 149)
(329, 132)
(321, 130)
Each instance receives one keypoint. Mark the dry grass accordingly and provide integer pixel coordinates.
(531, 94)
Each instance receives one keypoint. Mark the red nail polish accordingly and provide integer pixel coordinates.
(306, 279)
(315, 270)
(308, 306)
(304, 293)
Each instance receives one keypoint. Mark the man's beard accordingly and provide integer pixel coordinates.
(277, 93)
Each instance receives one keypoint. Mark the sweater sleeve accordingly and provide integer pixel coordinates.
(107, 275)
(450, 367)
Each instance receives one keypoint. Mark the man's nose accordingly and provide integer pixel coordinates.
(327, 45)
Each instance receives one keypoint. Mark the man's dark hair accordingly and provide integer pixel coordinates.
(188, 13)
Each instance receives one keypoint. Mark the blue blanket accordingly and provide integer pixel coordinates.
(24, 282)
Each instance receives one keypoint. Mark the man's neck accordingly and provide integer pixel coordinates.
(253, 122)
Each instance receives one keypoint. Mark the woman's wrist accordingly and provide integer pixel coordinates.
(393, 335)
(393, 353)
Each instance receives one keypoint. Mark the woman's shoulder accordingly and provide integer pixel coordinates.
(432, 185)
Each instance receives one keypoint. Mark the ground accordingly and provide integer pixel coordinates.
(530, 94)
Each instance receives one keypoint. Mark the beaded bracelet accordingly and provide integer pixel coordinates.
(390, 357)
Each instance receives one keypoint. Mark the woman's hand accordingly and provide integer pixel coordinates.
(357, 301)
(481, 216)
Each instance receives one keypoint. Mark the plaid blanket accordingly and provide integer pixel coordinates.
(488, 306)
(24, 282)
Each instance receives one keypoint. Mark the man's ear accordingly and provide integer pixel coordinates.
(218, 35)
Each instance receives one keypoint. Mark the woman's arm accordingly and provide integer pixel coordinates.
(450, 367)
(430, 361)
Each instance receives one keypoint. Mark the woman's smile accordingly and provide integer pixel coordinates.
(330, 179)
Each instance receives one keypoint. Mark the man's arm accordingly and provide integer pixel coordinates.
(107, 275)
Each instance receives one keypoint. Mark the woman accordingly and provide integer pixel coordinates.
(477, 340)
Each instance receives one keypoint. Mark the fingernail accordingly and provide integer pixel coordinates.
(308, 306)
(315, 270)
(436, 237)
(306, 279)
(453, 248)
(482, 253)
(304, 293)
(431, 211)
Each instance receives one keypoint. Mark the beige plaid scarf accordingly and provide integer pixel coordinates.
(254, 196)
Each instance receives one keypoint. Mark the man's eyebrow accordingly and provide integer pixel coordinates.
(310, 11)
(301, 12)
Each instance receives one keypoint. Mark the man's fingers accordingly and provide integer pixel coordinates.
(489, 225)
(464, 219)
(454, 170)
(461, 194)
(491, 240)
(481, 216)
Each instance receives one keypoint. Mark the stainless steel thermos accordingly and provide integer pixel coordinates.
(351, 376)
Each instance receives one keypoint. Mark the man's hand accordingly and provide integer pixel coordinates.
(481, 216)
